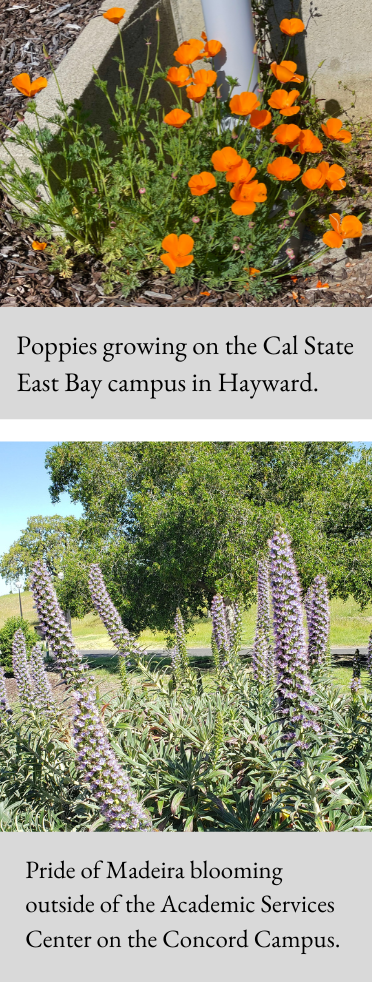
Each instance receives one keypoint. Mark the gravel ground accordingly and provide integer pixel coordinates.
(345, 275)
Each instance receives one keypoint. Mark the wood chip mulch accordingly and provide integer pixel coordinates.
(24, 276)
(24, 29)
(107, 686)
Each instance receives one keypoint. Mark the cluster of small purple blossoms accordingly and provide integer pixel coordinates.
(235, 630)
(100, 769)
(126, 645)
(180, 658)
(263, 656)
(96, 760)
(21, 671)
(42, 688)
(355, 684)
(369, 656)
(292, 681)
(220, 630)
(55, 628)
(4, 705)
(308, 603)
(318, 622)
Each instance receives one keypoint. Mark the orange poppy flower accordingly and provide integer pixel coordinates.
(202, 183)
(333, 130)
(177, 118)
(212, 48)
(222, 160)
(260, 118)
(114, 15)
(286, 71)
(241, 172)
(333, 175)
(253, 271)
(196, 92)
(38, 246)
(189, 51)
(313, 178)
(177, 251)
(245, 195)
(307, 142)
(283, 101)
(284, 169)
(24, 85)
(244, 103)
(179, 76)
(286, 133)
(347, 228)
(291, 26)
(205, 77)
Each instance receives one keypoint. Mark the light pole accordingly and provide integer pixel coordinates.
(18, 587)
(231, 22)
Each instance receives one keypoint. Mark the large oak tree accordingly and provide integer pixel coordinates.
(171, 523)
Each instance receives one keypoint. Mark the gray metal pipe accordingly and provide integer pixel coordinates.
(231, 22)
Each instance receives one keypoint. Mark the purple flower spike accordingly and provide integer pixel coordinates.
(369, 656)
(42, 689)
(226, 632)
(180, 658)
(219, 627)
(21, 671)
(318, 622)
(4, 704)
(263, 656)
(355, 684)
(107, 782)
(293, 686)
(236, 630)
(125, 643)
(308, 603)
(55, 628)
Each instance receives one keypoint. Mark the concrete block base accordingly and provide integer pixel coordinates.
(96, 47)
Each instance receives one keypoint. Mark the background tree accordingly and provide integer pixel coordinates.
(51, 539)
(171, 524)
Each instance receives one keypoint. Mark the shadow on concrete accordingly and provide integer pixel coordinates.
(280, 10)
(138, 31)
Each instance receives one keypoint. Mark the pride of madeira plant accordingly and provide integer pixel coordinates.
(271, 746)
(213, 190)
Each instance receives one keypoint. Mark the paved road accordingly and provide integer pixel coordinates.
(198, 653)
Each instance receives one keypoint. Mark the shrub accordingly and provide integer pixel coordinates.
(213, 190)
(7, 632)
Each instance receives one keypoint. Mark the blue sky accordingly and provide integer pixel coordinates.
(24, 484)
(24, 492)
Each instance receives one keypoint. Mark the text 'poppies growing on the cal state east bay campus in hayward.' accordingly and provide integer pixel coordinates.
(55, 353)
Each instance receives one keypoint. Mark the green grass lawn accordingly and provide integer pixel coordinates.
(349, 625)
(106, 672)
